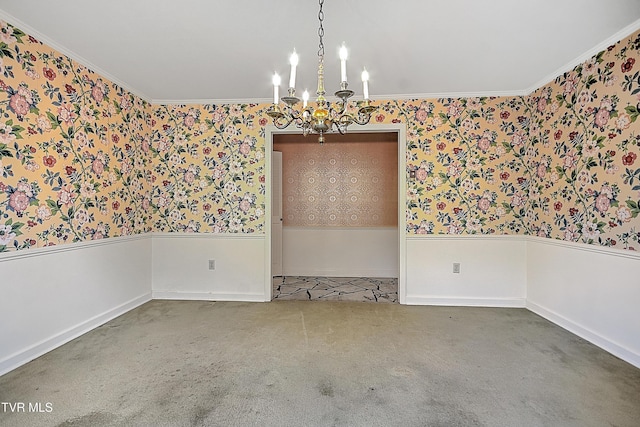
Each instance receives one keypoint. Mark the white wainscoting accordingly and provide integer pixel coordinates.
(180, 267)
(591, 291)
(340, 251)
(55, 294)
(492, 270)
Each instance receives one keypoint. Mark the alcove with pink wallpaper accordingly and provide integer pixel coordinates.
(340, 204)
(342, 183)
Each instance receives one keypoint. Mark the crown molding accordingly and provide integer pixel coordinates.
(214, 101)
(620, 35)
(397, 97)
(74, 56)
(453, 95)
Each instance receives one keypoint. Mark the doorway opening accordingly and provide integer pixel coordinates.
(338, 228)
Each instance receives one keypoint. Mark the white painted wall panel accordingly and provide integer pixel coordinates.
(54, 294)
(492, 270)
(340, 252)
(593, 292)
(180, 267)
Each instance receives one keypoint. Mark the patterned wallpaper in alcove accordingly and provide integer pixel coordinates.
(345, 184)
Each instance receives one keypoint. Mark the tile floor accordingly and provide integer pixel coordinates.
(363, 289)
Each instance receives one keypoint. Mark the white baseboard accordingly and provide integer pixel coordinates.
(467, 302)
(593, 337)
(207, 296)
(24, 356)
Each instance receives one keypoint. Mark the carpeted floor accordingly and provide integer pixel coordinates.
(300, 363)
(356, 289)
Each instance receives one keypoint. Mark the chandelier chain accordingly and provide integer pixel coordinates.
(321, 31)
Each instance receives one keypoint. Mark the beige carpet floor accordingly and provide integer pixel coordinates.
(301, 363)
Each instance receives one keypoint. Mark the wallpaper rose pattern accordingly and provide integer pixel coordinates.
(586, 172)
(72, 150)
(469, 161)
(81, 158)
(208, 169)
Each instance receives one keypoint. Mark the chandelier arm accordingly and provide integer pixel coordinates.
(294, 114)
(339, 128)
(282, 124)
(290, 115)
(347, 119)
(301, 123)
(362, 119)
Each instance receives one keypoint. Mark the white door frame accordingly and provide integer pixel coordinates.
(401, 129)
(276, 222)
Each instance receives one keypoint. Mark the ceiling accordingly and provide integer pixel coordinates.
(226, 51)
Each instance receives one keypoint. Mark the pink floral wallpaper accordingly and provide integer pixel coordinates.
(81, 158)
(470, 174)
(73, 161)
(208, 168)
(586, 140)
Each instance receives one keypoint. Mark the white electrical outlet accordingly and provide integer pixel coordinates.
(456, 267)
(212, 264)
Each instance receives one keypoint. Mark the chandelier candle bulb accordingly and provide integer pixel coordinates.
(365, 83)
(293, 60)
(276, 86)
(305, 98)
(343, 63)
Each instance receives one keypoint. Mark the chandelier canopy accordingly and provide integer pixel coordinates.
(325, 117)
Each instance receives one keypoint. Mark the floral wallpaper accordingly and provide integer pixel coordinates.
(208, 168)
(468, 159)
(586, 141)
(81, 158)
(72, 150)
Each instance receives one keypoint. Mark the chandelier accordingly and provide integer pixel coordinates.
(325, 117)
